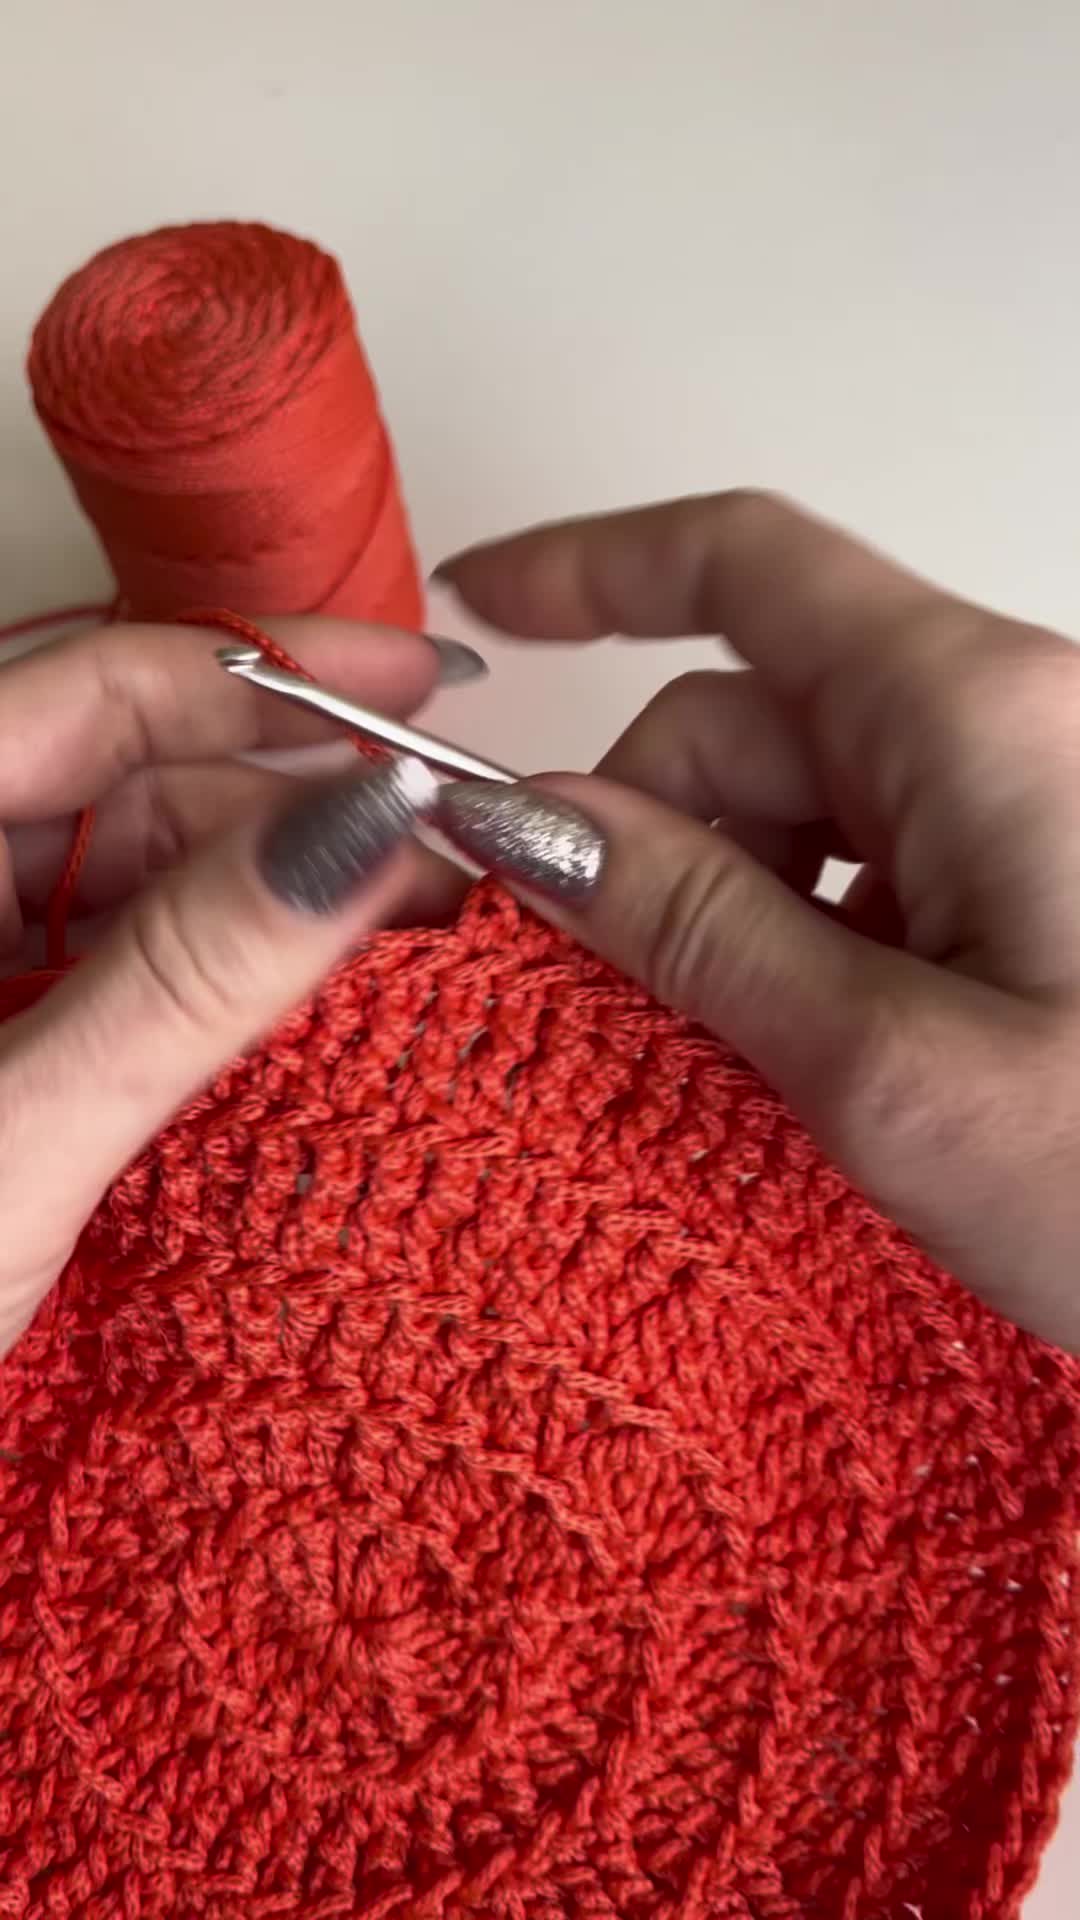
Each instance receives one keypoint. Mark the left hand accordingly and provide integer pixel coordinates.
(141, 723)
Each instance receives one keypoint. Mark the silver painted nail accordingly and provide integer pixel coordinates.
(326, 844)
(458, 664)
(535, 838)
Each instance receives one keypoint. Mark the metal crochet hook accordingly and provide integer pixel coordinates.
(249, 664)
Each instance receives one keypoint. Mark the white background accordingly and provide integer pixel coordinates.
(604, 250)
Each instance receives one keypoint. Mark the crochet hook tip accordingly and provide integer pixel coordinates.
(248, 663)
(237, 659)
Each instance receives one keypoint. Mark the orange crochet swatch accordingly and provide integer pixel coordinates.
(482, 1461)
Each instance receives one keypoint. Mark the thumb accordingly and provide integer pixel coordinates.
(190, 976)
(690, 914)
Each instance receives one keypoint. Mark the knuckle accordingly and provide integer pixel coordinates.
(990, 715)
(742, 517)
(706, 896)
(186, 976)
(961, 681)
(684, 693)
(884, 1090)
(675, 712)
(944, 690)
(1017, 677)
(894, 1101)
(126, 723)
(657, 719)
(669, 747)
(753, 504)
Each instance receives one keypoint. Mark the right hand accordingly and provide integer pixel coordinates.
(930, 1036)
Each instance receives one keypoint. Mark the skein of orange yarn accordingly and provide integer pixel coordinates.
(481, 1463)
(206, 390)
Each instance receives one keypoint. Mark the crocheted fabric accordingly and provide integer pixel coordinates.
(482, 1461)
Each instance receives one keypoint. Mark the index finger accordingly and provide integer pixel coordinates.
(793, 595)
(77, 717)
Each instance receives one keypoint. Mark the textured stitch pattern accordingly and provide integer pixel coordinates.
(481, 1460)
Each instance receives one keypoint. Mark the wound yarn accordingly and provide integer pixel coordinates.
(482, 1461)
(208, 395)
(206, 390)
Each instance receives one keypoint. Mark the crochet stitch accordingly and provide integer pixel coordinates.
(482, 1460)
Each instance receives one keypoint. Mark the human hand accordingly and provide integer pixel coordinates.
(929, 1034)
(271, 882)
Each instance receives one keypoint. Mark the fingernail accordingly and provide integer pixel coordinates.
(458, 664)
(535, 838)
(324, 847)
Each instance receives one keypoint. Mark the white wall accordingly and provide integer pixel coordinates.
(603, 250)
